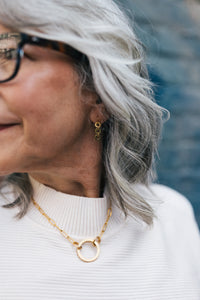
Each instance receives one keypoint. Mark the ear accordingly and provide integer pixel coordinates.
(98, 112)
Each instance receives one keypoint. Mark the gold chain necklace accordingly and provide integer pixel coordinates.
(78, 246)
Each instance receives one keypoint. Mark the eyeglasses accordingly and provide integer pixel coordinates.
(11, 52)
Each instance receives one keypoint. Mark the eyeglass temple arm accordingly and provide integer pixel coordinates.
(58, 46)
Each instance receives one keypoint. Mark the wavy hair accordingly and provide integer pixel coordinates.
(116, 71)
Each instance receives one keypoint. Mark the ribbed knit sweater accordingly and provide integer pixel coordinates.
(135, 262)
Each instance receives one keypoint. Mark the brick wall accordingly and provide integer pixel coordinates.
(172, 38)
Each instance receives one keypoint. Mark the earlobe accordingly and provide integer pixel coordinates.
(99, 113)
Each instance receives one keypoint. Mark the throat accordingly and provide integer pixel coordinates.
(91, 186)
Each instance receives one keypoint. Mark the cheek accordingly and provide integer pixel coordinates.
(49, 106)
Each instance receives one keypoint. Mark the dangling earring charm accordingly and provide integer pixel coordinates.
(97, 131)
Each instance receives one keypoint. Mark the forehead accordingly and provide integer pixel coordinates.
(4, 29)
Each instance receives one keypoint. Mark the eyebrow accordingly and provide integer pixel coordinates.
(8, 35)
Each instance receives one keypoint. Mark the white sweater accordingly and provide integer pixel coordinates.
(135, 262)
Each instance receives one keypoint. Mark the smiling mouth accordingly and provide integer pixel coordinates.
(6, 126)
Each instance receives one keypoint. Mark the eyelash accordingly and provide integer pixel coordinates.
(29, 56)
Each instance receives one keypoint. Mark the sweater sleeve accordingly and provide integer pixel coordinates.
(176, 209)
(180, 230)
(173, 199)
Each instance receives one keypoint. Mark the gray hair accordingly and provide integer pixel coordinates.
(100, 30)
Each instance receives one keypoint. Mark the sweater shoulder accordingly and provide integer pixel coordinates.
(175, 212)
(171, 200)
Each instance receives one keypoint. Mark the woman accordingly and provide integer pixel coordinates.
(79, 130)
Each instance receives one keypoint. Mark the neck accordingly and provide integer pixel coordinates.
(83, 177)
(80, 182)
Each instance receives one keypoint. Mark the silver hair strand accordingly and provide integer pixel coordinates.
(117, 73)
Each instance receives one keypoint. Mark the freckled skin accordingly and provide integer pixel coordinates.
(54, 141)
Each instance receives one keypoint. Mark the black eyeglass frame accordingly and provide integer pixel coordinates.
(54, 45)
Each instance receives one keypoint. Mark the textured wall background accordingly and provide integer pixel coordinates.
(171, 32)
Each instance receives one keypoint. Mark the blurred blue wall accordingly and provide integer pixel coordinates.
(172, 39)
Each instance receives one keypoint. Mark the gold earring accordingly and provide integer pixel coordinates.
(97, 131)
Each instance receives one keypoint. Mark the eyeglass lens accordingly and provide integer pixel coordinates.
(8, 56)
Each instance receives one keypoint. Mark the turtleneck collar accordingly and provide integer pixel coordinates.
(80, 217)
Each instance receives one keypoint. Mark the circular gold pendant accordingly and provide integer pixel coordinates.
(94, 243)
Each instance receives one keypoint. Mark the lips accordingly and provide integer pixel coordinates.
(7, 126)
(7, 119)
